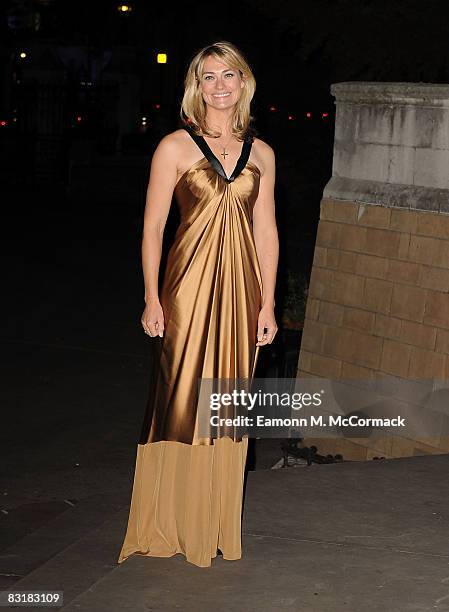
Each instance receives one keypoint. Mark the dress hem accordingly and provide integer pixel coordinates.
(235, 557)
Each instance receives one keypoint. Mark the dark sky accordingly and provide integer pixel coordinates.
(297, 49)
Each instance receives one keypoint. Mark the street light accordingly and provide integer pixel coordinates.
(22, 55)
(124, 8)
(161, 58)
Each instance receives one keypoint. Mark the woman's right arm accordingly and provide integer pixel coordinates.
(163, 177)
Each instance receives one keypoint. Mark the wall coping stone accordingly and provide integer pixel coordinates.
(391, 145)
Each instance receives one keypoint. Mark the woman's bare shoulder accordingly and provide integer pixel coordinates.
(172, 147)
(263, 155)
(173, 140)
(263, 149)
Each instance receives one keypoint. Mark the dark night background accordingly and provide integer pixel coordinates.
(72, 133)
(83, 104)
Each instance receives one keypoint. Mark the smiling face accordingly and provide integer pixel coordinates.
(221, 85)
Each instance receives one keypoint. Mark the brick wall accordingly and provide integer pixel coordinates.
(378, 305)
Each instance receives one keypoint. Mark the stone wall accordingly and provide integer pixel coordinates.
(378, 301)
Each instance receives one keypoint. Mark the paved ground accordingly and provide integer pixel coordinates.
(329, 538)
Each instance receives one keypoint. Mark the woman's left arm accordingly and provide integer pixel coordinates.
(267, 245)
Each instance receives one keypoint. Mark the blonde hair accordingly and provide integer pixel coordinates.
(193, 107)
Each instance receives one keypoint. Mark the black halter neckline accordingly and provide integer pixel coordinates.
(215, 162)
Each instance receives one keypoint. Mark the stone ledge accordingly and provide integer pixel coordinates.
(411, 197)
(368, 92)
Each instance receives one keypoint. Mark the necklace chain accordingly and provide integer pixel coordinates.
(224, 153)
(224, 148)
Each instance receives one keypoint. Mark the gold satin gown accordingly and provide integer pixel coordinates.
(187, 490)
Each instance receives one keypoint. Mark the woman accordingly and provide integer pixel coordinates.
(215, 309)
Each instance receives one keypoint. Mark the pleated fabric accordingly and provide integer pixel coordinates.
(211, 298)
(187, 499)
(187, 490)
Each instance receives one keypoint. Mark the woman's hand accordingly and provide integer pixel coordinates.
(266, 326)
(153, 319)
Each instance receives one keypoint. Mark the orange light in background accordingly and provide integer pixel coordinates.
(124, 8)
(161, 58)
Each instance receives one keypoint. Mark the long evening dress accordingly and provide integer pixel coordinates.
(187, 491)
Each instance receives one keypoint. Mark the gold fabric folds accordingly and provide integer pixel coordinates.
(187, 492)
(187, 499)
(210, 296)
